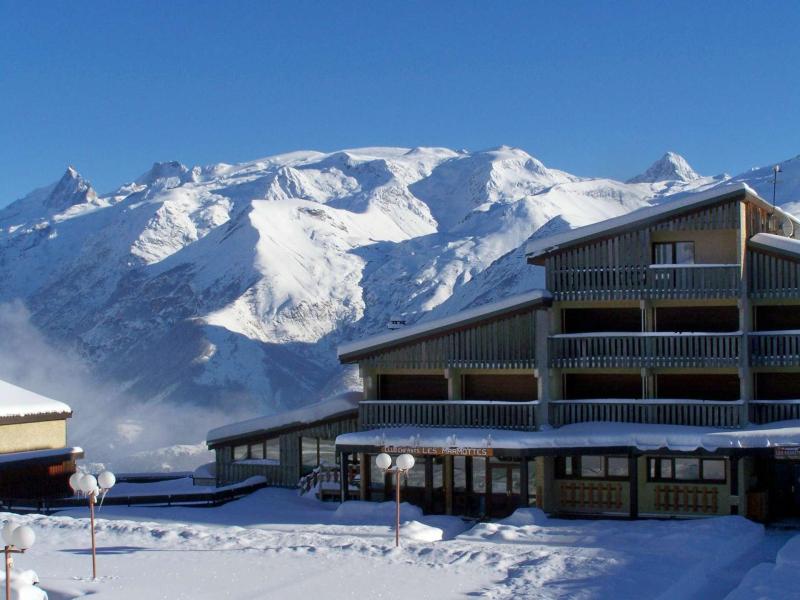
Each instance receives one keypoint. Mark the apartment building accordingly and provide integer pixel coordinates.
(658, 374)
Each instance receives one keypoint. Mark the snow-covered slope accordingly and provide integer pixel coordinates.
(229, 286)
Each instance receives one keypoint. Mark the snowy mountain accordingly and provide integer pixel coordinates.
(670, 167)
(228, 287)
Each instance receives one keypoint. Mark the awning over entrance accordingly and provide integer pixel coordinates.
(679, 438)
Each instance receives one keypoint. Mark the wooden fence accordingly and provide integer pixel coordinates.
(687, 499)
(589, 495)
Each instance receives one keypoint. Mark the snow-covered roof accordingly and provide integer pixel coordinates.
(12, 457)
(776, 243)
(19, 402)
(350, 350)
(344, 403)
(682, 438)
(549, 244)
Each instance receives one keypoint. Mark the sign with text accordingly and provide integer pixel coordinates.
(787, 452)
(434, 451)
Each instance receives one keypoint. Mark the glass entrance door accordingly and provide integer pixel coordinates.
(502, 488)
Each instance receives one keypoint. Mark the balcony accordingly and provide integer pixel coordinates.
(648, 350)
(768, 411)
(376, 414)
(692, 281)
(775, 349)
(704, 413)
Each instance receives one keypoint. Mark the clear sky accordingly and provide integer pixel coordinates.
(595, 88)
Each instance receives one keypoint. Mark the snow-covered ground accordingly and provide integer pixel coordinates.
(274, 544)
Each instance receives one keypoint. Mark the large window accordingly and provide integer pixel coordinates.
(240, 453)
(673, 253)
(592, 467)
(315, 452)
(273, 450)
(686, 469)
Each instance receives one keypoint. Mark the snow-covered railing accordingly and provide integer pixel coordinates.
(706, 413)
(646, 281)
(374, 414)
(768, 411)
(775, 349)
(633, 350)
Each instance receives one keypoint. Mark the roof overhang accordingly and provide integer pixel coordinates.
(538, 250)
(353, 351)
(35, 418)
(775, 244)
(262, 433)
(47, 456)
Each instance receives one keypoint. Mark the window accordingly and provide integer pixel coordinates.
(240, 453)
(617, 466)
(592, 467)
(257, 451)
(673, 253)
(273, 450)
(686, 469)
(315, 452)
(714, 470)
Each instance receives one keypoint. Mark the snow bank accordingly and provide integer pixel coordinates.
(779, 581)
(420, 532)
(357, 512)
(19, 402)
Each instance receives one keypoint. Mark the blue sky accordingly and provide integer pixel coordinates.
(595, 88)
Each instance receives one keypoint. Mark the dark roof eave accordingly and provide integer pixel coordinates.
(35, 418)
(538, 258)
(353, 357)
(280, 430)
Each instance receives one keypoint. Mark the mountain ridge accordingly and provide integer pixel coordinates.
(229, 286)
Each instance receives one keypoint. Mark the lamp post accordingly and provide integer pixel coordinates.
(17, 539)
(91, 487)
(403, 464)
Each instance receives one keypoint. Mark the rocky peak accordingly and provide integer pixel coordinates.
(70, 190)
(670, 167)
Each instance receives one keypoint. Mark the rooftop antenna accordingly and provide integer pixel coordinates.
(775, 170)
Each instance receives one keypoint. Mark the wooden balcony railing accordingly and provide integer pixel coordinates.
(646, 281)
(634, 350)
(769, 411)
(772, 276)
(666, 412)
(375, 414)
(775, 349)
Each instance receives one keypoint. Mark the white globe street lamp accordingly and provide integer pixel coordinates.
(17, 539)
(91, 486)
(403, 464)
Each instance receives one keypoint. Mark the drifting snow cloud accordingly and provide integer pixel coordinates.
(112, 427)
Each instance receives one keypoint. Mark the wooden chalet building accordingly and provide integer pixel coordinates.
(657, 375)
(35, 461)
(285, 447)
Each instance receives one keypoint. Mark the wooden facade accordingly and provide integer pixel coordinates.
(288, 469)
(618, 362)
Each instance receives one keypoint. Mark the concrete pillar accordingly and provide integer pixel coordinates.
(364, 472)
(745, 321)
(343, 472)
(524, 492)
(454, 391)
(542, 325)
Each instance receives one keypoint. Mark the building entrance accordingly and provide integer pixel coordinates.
(502, 488)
